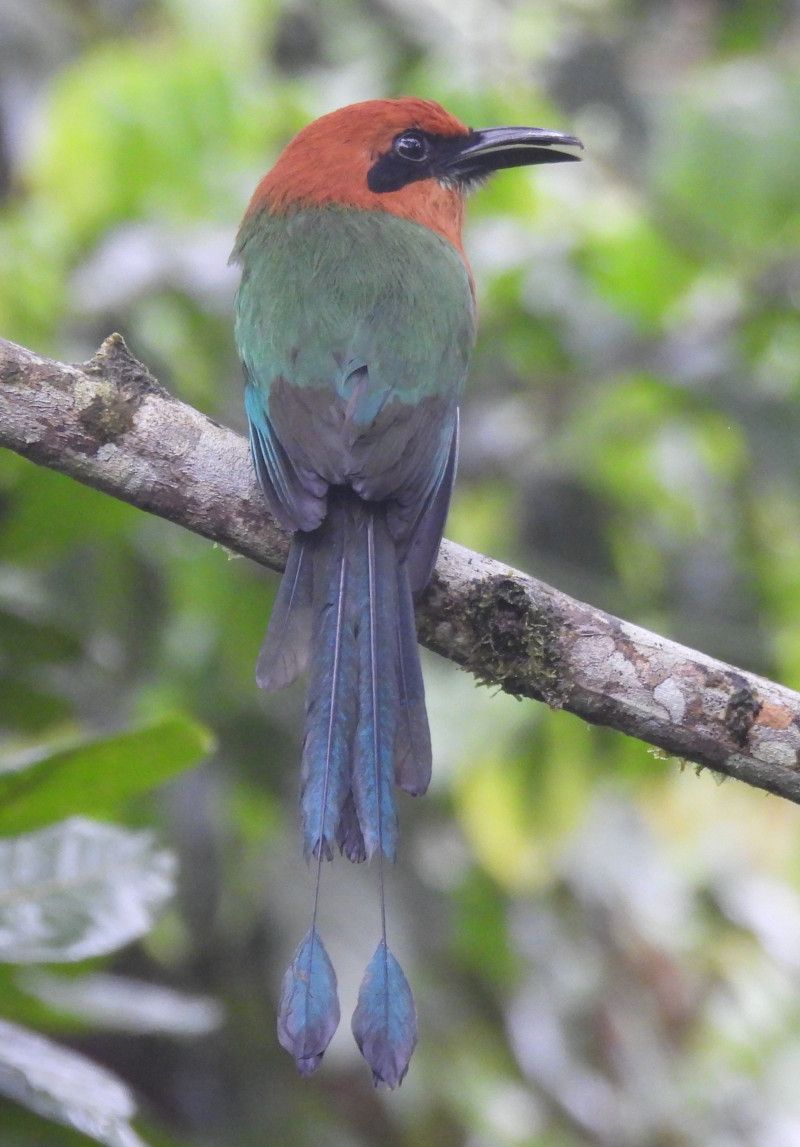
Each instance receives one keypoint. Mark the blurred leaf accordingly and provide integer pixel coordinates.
(79, 889)
(64, 1086)
(494, 805)
(74, 515)
(777, 560)
(97, 777)
(636, 267)
(770, 339)
(748, 23)
(658, 453)
(22, 1007)
(33, 642)
(25, 706)
(172, 110)
(728, 165)
(32, 277)
(482, 928)
(479, 518)
(119, 1003)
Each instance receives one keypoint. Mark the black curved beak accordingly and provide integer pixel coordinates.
(491, 149)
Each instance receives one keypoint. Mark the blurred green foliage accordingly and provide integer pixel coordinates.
(604, 946)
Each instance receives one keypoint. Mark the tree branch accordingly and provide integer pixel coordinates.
(109, 424)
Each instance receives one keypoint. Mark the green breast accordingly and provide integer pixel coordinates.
(327, 291)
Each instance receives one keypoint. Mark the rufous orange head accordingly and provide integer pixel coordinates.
(408, 157)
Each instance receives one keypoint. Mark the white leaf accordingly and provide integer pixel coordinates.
(62, 1085)
(78, 889)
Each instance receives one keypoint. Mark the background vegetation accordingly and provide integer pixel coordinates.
(605, 948)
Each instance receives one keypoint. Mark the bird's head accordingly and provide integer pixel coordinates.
(408, 157)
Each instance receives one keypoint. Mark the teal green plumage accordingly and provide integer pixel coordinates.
(328, 287)
(355, 329)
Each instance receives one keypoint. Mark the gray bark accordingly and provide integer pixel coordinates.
(109, 424)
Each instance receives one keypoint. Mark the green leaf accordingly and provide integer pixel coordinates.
(79, 889)
(64, 1086)
(26, 708)
(76, 515)
(637, 267)
(96, 777)
(728, 176)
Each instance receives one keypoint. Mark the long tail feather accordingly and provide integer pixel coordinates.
(285, 652)
(413, 758)
(309, 1009)
(378, 695)
(348, 833)
(332, 692)
(385, 1019)
(366, 726)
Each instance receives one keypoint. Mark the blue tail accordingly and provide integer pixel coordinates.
(284, 654)
(372, 776)
(345, 609)
(412, 764)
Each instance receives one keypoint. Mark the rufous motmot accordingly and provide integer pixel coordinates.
(355, 319)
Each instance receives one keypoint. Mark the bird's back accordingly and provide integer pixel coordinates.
(355, 329)
(355, 319)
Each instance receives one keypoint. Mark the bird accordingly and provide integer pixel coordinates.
(354, 323)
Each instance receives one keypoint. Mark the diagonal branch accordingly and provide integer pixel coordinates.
(110, 425)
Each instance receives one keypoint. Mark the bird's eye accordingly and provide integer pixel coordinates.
(411, 145)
